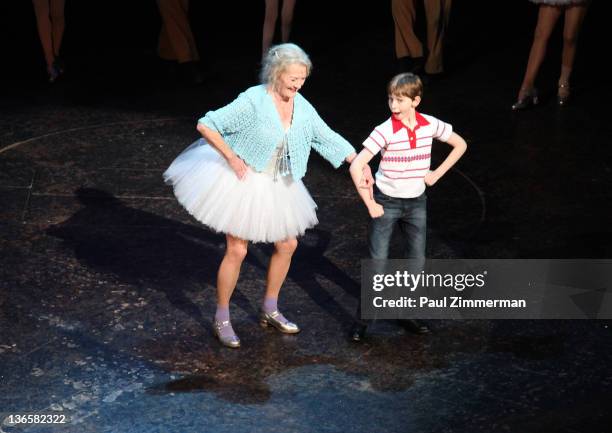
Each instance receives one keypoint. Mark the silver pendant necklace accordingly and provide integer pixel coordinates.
(282, 167)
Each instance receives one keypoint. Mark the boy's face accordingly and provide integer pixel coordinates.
(402, 106)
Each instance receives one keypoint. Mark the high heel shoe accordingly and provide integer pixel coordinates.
(53, 73)
(59, 65)
(563, 94)
(277, 320)
(358, 332)
(225, 333)
(527, 98)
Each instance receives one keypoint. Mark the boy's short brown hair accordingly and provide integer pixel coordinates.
(406, 84)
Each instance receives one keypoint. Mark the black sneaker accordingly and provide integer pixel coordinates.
(358, 332)
(414, 326)
(190, 73)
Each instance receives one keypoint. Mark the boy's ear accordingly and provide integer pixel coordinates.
(416, 101)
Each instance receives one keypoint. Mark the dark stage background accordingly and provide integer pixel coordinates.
(107, 284)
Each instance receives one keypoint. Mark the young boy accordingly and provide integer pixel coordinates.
(404, 141)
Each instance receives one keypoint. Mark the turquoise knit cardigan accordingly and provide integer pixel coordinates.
(251, 126)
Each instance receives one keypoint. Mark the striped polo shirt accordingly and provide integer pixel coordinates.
(405, 153)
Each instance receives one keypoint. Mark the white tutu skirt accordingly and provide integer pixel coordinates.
(256, 208)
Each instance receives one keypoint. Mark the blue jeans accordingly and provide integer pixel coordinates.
(410, 215)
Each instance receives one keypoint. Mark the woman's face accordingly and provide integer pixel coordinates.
(291, 80)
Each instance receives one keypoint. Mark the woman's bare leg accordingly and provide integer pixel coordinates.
(268, 25)
(227, 277)
(58, 23)
(43, 23)
(574, 16)
(229, 270)
(279, 266)
(547, 18)
(287, 19)
(277, 272)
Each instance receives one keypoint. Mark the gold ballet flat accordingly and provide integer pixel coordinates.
(228, 341)
(277, 320)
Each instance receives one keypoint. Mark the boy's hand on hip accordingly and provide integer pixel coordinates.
(430, 178)
(376, 210)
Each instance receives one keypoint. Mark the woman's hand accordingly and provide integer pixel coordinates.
(238, 165)
(367, 180)
(376, 210)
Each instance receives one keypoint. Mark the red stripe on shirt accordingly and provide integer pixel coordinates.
(377, 143)
(444, 129)
(403, 171)
(407, 141)
(381, 135)
(407, 148)
(404, 177)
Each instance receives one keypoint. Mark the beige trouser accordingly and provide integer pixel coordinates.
(407, 44)
(175, 38)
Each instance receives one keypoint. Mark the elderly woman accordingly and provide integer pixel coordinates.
(243, 177)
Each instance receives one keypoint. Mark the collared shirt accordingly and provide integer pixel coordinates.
(405, 153)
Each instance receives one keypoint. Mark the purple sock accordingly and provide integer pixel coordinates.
(269, 305)
(222, 314)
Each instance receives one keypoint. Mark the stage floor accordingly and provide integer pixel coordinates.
(107, 284)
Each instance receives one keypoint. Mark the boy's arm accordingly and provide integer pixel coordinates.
(367, 180)
(459, 146)
(356, 170)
